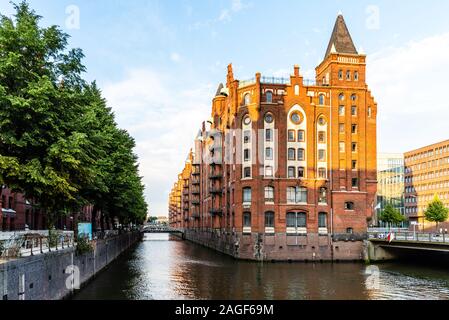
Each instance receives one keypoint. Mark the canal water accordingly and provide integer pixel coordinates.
(162, 267)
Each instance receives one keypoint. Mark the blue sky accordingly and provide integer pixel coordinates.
(159, 63)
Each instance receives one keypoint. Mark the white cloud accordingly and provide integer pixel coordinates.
(175, 57)
(224, 16)
(164, 117)
(409, 84)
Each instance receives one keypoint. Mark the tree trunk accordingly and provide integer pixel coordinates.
(94, 218)
(102, 221)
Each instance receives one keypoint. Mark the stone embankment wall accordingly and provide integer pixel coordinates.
(55, 275)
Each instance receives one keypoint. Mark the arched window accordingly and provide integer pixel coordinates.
(341, 97)
(322, 220)
(296, 90)
(269, 97)
(356, 76)
(296, 221)
(301, 172)
(322, 196)
(353, 97)
(269, 194)
(348, 75)
(269, 219)
(268, 171)
(247, 220)
(268, 153)
(268, 135)
(247, 195)
(340, 74)
(296, 195)
(301, 154)
(291, 172)
(321, 99)
(291, 154)
(247, 99)
(322, 173)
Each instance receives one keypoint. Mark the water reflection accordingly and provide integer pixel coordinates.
(163, 267)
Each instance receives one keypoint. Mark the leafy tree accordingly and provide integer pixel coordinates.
(391, 215)
(436, 211)
(59, 142)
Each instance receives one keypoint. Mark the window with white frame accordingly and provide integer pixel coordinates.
(269, 194)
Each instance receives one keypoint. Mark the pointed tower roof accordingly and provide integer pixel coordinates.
(220, 87)
(341, 41)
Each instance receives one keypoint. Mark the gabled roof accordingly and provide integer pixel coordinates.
(341, 41)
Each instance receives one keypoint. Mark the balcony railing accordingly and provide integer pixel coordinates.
(216, 190)
(216, 212)
(216, 175)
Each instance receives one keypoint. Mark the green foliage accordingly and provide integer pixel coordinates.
(436, 211)
(53, 238)
(83, 245)
(59, 142)
(391, 215)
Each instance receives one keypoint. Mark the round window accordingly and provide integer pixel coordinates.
(321, 121)
(268, 118)
(296, 118)
(247, 120)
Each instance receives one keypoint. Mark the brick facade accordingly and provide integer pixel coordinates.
(17, 213)
(309, 149)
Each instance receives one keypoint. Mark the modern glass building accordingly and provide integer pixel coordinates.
(390, 182)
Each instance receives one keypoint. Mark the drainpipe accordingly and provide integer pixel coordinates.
(331, 183)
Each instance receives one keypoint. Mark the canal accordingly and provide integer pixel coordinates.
(162, 267)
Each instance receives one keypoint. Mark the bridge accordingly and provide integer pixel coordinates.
(155, 228)
(391, 245)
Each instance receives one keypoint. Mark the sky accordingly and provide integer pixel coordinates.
(159, 63)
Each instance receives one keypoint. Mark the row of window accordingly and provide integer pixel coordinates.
(427, 176)
(295, 195)
(294, 220)
(348, 75)
(342, 111)
(428, 186)
(428, 153)
(427, 164)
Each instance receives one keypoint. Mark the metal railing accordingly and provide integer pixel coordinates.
(427, 237)
(30, 243)
(106, 234)
(274, 80)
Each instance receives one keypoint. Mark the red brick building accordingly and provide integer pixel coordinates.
(17, 213)
(286, 168)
